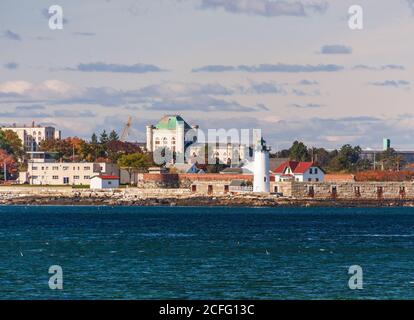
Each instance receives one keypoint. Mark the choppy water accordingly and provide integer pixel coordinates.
(206, 253)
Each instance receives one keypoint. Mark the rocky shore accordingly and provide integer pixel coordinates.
(135, 199)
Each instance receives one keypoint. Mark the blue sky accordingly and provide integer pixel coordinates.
(292, 68)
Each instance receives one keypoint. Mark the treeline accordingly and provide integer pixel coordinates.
(346, 159)
(11, 150)
(103, 148)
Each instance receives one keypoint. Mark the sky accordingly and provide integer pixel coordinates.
(293, 68)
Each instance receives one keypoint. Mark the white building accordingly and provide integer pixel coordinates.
(46, 171)
(299, 171)
(261, 179)
(226, 153)
(104, 182)
(31, 136)
(171, 132)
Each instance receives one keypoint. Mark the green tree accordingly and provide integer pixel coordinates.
(133, 162)
(103, 138)
(299, 152)
(113, 136)
(346, 160)
(4, 144)
(15, 143)
(94, 139)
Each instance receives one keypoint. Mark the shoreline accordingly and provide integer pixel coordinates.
(200, 201)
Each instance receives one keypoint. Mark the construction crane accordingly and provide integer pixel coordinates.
(125, 131)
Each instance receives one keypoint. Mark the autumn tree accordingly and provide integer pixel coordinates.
(9, 161)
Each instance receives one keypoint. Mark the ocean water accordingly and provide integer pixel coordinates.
(206, 253)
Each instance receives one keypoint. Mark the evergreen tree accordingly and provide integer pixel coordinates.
(299, 152)
(94, 139)
(113, 136)
(103, 139)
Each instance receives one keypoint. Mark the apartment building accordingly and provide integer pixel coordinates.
(31, 136)
(48, 172)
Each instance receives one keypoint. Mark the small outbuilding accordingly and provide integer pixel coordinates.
(104, 182)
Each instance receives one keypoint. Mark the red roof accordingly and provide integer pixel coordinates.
(108, 177)
(295, 166)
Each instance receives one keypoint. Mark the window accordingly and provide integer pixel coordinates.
(86, 177)
(55, 168)
(34, 168)
(76, 177)
(55, 177)
(65, 180)
(309, 179)
(86, 168)
(65, 168)
(310, 171)
(193, 188)
(317, 179)
(316, 170)
(109, 182)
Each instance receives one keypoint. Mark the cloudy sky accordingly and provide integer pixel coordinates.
(293, 68)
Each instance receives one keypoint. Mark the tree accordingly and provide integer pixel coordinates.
(116, 148)
(390, 160)
(8, 160)
(103, 138)
(4, 143)
(113, 136)
(15, 143)
(133, 162)
(94, 139)
(299, 152)
(346, 160)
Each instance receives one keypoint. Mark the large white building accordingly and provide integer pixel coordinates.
(226, 153)
(43, 170)
(32, 136)
(172, 132)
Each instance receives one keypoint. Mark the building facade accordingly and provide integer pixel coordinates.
(65, 173)
(32, 136)
(171, 132)
(299, 172)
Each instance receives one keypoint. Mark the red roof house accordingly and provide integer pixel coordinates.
(299, 171)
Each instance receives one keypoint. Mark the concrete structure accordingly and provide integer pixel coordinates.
(261, 181)
(346, 190)
(32, 136)
(104, 182)
(299, 172)
(386, 144)
(65, 173)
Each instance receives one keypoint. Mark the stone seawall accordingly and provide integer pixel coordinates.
(172, 197)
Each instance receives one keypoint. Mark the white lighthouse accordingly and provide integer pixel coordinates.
(261, 182)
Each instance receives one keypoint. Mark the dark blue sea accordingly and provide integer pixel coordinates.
(206, 253)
